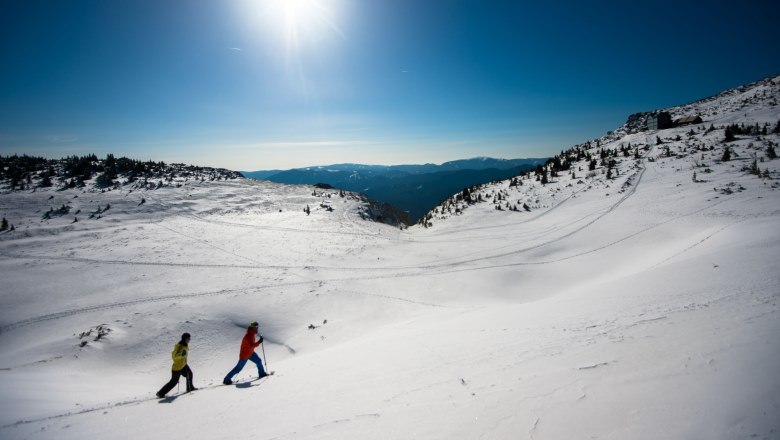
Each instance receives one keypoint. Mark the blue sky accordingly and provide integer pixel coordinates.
(264, 84)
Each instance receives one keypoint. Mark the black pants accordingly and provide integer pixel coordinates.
(186, 372)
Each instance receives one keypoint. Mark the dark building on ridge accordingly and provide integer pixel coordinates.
(688, 120)
(659, 121)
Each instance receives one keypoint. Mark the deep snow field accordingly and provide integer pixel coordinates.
(640, 307)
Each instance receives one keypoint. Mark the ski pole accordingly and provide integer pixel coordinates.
(265, 361)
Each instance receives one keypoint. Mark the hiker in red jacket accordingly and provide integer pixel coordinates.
(248, 345)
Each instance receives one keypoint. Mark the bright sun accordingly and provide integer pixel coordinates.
(297, 11)
(296, 22)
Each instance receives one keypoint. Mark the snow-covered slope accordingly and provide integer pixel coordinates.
(640, 306)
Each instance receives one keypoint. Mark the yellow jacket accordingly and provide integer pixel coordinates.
(179, 356)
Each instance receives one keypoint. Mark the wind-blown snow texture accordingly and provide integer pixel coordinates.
(643, 306)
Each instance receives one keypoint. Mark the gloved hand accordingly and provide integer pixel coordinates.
(261, 340)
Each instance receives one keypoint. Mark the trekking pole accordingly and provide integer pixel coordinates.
(265, 361)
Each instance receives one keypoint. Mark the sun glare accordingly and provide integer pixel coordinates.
(298, 11)
(297, 22)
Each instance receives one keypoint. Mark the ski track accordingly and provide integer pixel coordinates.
(719, 230)
(568, 257)
(244, 290)
(133, 401)
(206, 242)
(513, 224)
(355, 292)
(545, 262)
(549, 231)
(92, 261)
(598, 217)
(609, 210)
(564, 236)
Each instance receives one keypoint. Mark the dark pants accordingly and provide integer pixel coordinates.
(186, 372)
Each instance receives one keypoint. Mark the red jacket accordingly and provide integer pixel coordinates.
(248, 344)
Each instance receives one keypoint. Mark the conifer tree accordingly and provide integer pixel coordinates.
(729, 135)
(754, 168)
(466, 195)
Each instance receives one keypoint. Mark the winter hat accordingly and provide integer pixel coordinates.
(254, 324)
(185, 336)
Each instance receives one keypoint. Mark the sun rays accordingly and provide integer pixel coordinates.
(296, 25)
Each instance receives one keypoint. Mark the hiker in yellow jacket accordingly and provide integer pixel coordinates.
(180, 367)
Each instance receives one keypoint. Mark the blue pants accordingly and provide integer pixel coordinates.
(240, 365)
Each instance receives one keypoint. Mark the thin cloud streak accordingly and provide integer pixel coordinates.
(62, 139)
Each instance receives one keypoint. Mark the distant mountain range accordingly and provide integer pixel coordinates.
(412, 188)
